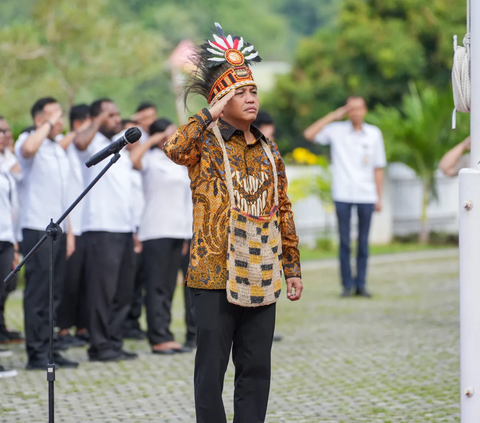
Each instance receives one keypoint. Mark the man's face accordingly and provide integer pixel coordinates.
(49, 113)
(80, 124)
(146, 117)
(357, 109)
(243, 106)
(112, 124)
(6, 138)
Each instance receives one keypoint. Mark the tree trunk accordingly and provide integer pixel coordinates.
(423, 236)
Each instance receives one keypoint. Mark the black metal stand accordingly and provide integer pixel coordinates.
(54, 231)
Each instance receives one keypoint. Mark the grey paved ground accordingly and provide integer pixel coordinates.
(390, 359)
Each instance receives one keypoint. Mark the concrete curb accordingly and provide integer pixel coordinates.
(387, 258)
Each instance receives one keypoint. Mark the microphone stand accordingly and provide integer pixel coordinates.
(54, 231)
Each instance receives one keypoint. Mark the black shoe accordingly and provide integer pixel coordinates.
(127, 355)
(71, 341)
(346, 293)
(10, 336)
(61, 361)
(38, 364)
(277, 337)
(363, 293)
(105, 356)
(165, 352)
(135, 334)
(190, 345)
(59, 343)
(7, 373)
(83, 337)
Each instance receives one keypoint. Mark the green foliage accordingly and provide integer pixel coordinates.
(316, 179)
(79, 51)
(418, 134)
(374, 49)
(74, 52)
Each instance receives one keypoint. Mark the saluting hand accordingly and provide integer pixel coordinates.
(217, 109)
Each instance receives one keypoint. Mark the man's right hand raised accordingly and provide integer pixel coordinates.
(217, 109)
(340, 113)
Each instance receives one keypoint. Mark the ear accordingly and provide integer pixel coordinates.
(38, 120)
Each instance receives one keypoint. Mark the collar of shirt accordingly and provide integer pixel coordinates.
(228, 131)
(363, 130)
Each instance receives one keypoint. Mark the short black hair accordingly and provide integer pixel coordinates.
(125, 121)
(146, 105)
(159, 125)
(96, 106)
(263, 118)
(2, 118)
(79, 112)
(40, 105)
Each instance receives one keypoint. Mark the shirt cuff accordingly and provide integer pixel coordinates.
(204, 117)
(292, 270)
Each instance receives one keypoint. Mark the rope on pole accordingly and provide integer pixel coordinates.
(461, 73)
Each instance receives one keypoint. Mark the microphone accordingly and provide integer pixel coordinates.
(131, 136)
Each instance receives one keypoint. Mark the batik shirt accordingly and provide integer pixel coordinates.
(196, 147)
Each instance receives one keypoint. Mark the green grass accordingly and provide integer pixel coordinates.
(308, 254)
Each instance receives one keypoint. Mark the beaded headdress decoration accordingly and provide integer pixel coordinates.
(222, 66)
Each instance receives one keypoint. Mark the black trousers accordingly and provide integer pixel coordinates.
(35, 298)
(109, 270)
(133, 317)
(6, 261)
(222, 326)
(161, 261)
(189, 321)
(72, 310)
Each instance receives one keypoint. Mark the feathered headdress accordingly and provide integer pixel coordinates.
(222, 66)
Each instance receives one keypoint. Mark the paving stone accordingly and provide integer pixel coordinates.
(394, 358)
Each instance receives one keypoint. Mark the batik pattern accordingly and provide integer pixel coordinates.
(195, 146)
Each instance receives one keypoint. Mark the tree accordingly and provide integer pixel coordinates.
(374, 49)
(418, 134)
(68, 48)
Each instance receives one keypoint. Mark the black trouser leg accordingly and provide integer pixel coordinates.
(35, 299)
(161, 263)
(6, 261)
(123, 296)
(109, 274)
(250, 330)
(71, 301)
(216, 320)
(189, 321)
(252, 346)
(133, 317)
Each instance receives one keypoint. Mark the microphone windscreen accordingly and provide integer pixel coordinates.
(133, 135)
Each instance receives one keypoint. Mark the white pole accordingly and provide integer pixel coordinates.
(470, 246)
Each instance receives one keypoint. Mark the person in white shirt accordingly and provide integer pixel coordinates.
(8, 248)
(44, 196)
(73, 305)
(131, 326)
(145, 115)
(165, 226)
(107, 227)
(358, 159)
(9, 166)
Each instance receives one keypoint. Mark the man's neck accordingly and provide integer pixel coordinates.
(244, 127)
(357, 126)
(106, 133)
